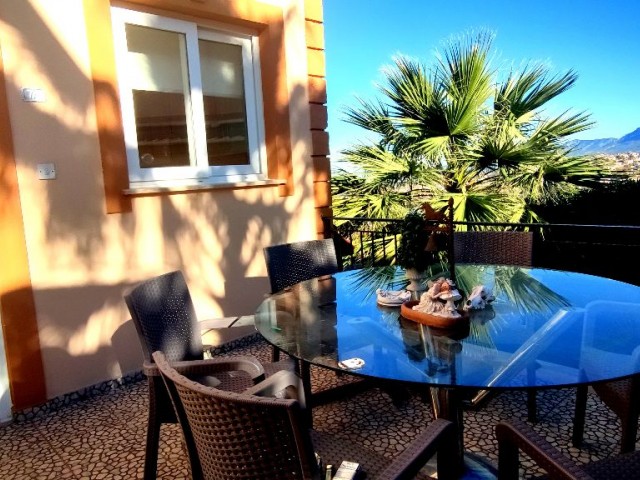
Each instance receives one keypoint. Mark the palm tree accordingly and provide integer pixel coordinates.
(455, 130)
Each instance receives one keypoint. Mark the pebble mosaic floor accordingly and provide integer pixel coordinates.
(103, 438)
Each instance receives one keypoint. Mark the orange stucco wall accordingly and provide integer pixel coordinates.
(314, 35)
(79, 259)
(16, 293)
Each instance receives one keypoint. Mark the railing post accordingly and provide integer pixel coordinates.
(450, 253)
(329, 231)
(327, 227)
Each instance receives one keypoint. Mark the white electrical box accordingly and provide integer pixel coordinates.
(46, 171)
(33, 95)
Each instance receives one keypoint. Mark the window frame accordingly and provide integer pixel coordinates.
(199, 172)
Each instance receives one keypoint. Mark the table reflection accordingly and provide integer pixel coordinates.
(545, 328)
(541, 330)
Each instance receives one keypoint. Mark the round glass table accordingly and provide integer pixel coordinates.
(545, 328)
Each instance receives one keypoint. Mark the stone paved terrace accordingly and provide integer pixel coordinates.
(103, 437)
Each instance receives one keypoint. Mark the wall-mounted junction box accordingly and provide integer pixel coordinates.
(46, 171)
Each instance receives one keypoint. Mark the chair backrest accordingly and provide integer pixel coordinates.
(503, 248)
(165, 318)
(290, 263)
(239, 435)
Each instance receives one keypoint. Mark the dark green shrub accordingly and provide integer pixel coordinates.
(412, 251)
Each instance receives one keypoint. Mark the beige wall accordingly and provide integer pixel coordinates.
(81, 259)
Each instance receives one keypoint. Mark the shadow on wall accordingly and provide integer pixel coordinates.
(85, 342)
(195, 223)
(68, 135)
(83, 328)
(73, 205)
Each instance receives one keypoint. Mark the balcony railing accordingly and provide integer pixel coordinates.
(605, 250)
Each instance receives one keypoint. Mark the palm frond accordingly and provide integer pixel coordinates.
(466, 78)
(526, 91)
(409, 88)
(450, 129)
(562, 126)
(372, 116)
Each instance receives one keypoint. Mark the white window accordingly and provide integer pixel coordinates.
(190, 98)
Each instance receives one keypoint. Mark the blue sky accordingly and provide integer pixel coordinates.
(599, 40)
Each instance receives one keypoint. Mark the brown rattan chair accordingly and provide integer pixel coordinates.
(503, 247)
(621, 396)
(515, 436)
(290, 263)
(252, 436)
(499, 248)
(165, 319)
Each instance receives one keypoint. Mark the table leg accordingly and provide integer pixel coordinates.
(305, 373)
(447, 404)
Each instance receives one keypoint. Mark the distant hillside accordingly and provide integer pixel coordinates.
(627, 143)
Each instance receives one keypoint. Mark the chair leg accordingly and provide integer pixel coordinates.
(579, 416)
(275, 354)
(508, 462)
(629, 435)
(194, 461)
(305, 374)
(532, 406)
(399, 395)
(151, 452)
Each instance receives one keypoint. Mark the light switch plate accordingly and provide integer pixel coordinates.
(33, 95)
(46, 171)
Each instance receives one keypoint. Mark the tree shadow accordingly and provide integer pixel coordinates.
(81, 259)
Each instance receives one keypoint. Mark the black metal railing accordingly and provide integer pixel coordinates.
(605, 250)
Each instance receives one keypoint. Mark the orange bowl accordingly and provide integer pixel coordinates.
(436, 321)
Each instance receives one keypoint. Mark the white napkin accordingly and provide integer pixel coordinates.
(392, 297)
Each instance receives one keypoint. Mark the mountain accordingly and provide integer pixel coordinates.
(631, 137)
(627, 143)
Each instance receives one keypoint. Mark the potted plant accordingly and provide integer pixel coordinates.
(423, 236)
(412, 254)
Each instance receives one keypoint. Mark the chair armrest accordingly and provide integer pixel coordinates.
(216, 332)
(209, 323)
(438, 437)
(282, 384)
(226, 323)
(150, 369)
(189, 368)
(516, 435)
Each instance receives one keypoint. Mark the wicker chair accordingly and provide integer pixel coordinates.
(290, 263)
(516, 435)
(254, 436)
(504, 247)
(165, 319)
(621, 396)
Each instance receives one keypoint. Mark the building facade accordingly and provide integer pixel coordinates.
(140, 137)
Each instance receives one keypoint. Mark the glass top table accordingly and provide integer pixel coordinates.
(546, 328)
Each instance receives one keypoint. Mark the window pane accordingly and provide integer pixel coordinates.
(157, 68)
(224, 103)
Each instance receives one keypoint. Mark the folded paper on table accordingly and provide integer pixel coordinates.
(392, 297)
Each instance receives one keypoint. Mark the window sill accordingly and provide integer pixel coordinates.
(154, 188)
